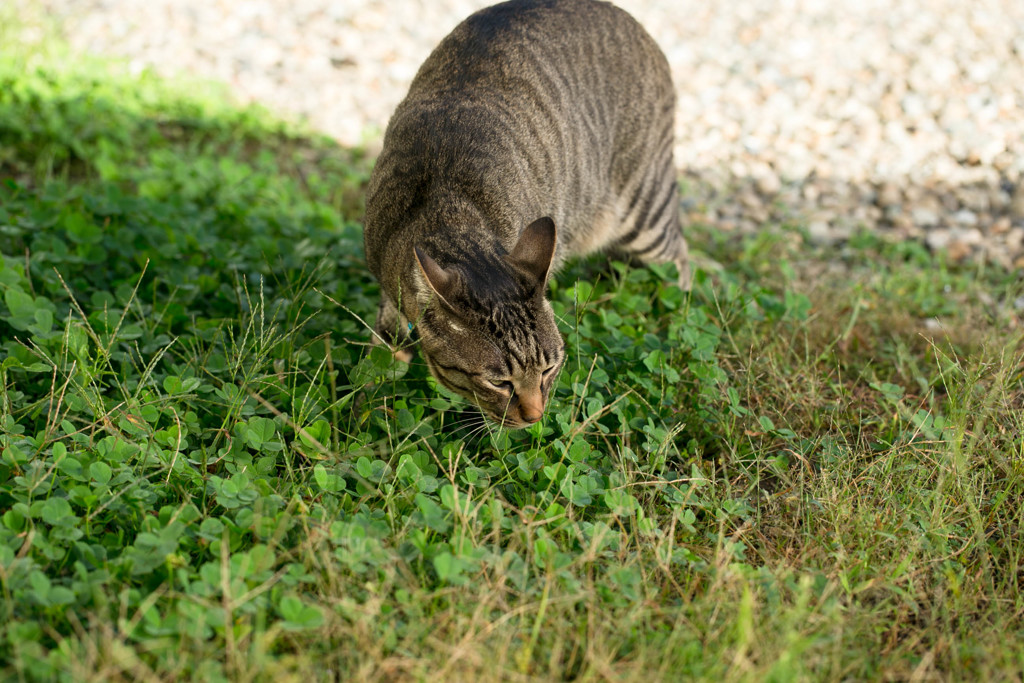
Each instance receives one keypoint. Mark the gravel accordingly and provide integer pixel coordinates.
(905, 117)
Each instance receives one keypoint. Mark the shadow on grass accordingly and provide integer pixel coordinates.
(139, 213)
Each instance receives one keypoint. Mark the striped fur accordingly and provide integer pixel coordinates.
(528, 110)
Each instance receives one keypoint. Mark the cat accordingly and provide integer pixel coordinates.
(538, 130)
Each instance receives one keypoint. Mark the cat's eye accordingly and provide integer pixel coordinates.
(501, 385)
(549, 371)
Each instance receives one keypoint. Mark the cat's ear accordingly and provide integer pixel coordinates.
(536, 248)
(440, 280)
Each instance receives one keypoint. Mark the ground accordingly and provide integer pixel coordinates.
(810, 468)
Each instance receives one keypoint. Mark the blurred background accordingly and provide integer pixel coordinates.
(905, 117)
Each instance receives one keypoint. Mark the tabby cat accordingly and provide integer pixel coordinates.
(536, 131)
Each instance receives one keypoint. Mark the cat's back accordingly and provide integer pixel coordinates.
(523, 39)
(527, 108)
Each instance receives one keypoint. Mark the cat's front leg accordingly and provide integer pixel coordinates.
(392, 329)
(681, 258)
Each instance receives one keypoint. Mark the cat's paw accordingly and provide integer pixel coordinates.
(685, 280)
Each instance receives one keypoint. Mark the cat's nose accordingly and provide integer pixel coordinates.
(531, 410)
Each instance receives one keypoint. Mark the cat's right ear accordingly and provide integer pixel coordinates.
(536, 248)
(438, 279)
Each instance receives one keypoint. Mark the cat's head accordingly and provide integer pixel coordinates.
(487, 332)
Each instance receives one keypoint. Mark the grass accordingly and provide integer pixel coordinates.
(810, 469)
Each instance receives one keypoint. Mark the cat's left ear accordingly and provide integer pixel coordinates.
(439, 279)
(536, 248)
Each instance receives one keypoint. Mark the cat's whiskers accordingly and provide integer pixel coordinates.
(476, 431)
(468, 419)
